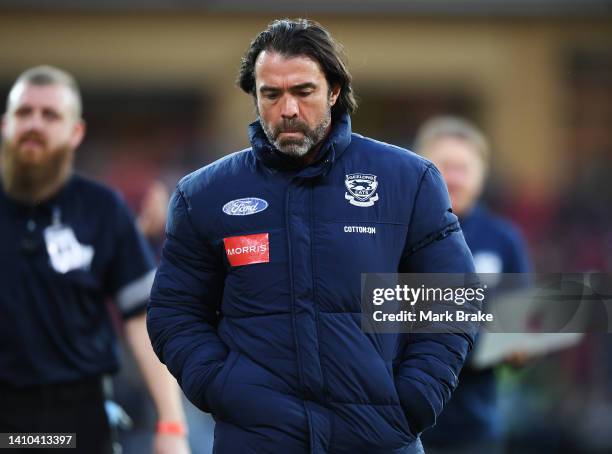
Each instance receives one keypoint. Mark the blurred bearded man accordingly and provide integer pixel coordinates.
(38, 149)
(257, 301)
(68, 244)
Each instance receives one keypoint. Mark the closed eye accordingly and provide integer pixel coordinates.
(23, 112)
(269, 93)
(49, 114)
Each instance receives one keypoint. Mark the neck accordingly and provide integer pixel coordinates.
(31, 186)
(465, 212)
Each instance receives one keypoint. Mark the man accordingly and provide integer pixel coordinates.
(67, 245)
(256, 303)
(471, 422)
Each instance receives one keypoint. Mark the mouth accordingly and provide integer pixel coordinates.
(288, 138)
(291, 132)
(293, 127)
(32, 142)
(31, 149)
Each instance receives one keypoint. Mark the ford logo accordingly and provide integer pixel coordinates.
(244, 207)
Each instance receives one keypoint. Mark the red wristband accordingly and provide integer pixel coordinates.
(171, 428)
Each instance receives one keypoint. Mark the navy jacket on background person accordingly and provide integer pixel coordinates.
(275, 350)
(472, 415)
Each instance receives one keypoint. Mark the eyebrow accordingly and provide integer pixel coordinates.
(27, 106)
(304, 86)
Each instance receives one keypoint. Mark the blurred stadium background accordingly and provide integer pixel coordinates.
(159, 97)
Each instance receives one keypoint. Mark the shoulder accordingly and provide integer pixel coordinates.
(390, 157)
(492, 232)
(94, 194)
(503, 228)
(491, 235)
(215, 173)
(100, 205)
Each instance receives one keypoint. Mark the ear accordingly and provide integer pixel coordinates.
(78, 133)
(335, 92)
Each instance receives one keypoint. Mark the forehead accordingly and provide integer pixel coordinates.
(55, 96)
(274, 69)
(452, 149)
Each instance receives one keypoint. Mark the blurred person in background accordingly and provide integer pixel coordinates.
(257, 300)
(153, 213)
(471, 422)
(68, 244)
(128, 385)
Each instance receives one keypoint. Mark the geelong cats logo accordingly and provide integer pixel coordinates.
(361, 189)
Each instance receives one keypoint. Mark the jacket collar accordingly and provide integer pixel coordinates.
(334, 145)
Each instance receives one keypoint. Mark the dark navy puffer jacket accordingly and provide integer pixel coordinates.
(256, 303)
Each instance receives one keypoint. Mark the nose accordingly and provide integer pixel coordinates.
(289, 107)
(34, 122)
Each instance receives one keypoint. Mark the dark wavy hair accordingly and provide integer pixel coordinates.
(293, 37)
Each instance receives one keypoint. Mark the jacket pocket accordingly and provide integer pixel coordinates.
(258, 399)
(214, 392)
(417, 409)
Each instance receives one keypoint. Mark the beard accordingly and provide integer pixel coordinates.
(25, 177)
(297, 147)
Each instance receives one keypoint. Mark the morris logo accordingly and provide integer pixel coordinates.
(244, 207)
(361, 189)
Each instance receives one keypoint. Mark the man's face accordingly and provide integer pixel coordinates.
(461, 167)
(40, 128)
(293, 101)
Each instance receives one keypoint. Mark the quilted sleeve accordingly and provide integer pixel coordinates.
(429, 363)
(182, 315)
